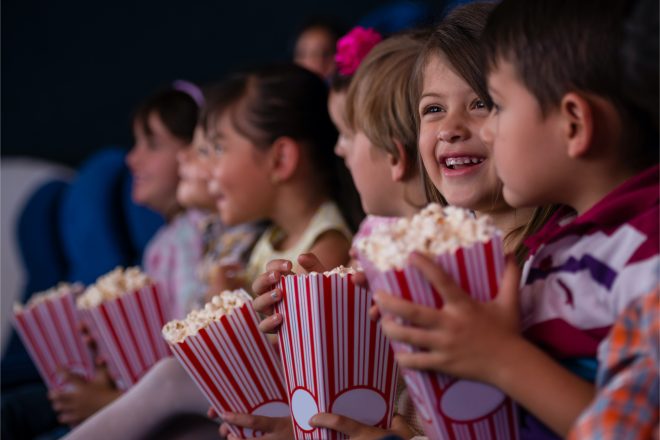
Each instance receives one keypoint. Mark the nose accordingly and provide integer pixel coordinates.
(133, 157)
(487, 130)
(454, 129)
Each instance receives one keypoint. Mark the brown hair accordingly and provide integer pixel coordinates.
(378, 101)
(176, 109)
(458, 39)
(273, 101)
(560, 46)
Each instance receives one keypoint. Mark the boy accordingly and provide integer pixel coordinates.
(562, 132)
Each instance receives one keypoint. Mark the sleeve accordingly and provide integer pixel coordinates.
(186, 255)
(626, 403)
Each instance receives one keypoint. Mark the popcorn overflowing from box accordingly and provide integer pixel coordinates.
(125, 312)
(335, 358)
(470, 250)
(229, 359)
(49, 328)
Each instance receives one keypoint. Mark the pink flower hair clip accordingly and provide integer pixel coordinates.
(353, 47)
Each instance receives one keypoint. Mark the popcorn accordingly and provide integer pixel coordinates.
(113, 285)
(434, 230)
(53, 293)
(223, 304)
(339, 270)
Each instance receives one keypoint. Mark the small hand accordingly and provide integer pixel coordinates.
(356, 430)
(269, 428)
(267, 292)
(225, 277)
(79, 398)
(464, 336)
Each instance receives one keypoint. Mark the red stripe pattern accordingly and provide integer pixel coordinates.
(235, 367)
(127, 330)
(49, 331)
(449, 408)
(335, 358)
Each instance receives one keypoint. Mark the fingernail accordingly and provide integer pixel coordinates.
(271, 277)
(276, 317)
(376, 297)
(312, 420)
(275, 294)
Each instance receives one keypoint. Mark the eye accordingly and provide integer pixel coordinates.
(478, 104)
(203, 150)
(217, 148)
(432, 108)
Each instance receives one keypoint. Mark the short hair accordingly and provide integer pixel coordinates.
(176, 109)
(378, 101)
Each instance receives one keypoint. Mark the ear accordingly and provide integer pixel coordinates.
(398, 165)
(578, 117)
(284, 158)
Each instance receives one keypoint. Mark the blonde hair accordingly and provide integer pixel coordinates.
(379, 102)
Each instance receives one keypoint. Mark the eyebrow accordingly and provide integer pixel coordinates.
(431, 95)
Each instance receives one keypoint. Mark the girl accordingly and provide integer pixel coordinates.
(381, 156)
(273, 140)
(163, 127)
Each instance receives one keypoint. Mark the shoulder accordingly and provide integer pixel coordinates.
(331, 247)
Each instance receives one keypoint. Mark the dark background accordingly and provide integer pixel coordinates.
(73, 70)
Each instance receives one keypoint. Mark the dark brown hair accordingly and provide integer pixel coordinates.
(274, 101)
(562, 46)
(177, 110)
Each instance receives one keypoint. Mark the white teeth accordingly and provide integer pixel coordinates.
(452, 161)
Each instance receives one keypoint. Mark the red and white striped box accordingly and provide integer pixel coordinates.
(335, 358)
(50, 332)
(451, 408)
(236, 367)
(127, 330)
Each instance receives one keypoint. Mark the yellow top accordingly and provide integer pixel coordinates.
(327, 218)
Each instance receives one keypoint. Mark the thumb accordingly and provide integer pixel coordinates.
(508, 296)
(311, 263)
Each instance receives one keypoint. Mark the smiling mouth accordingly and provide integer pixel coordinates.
(458, 163)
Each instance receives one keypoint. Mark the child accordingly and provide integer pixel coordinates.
(381, 155)
(628, 381)
(273, 141)
(559, 128)
(167, 387)
(315, 47)
(163, 127)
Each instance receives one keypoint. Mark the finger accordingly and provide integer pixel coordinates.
(417, 337)
(70, 377)
(439, 279)
(374, 313)
(211, 414)
(311, 263)
(260, 423)
(415, 314)
(360, 279)
(266, 281)
(264, 303)
(271, 324)
(431, 360)
(280, 265)
(224, 429)
(336, 423)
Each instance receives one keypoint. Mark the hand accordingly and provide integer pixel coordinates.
(270, 428)
(356, 430)
(225, 277)
(267, 292)
(78, 398)
(465, 337)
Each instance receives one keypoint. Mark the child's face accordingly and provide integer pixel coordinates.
(153, 164)
(194, 174)
(371, 173)
(240, 181)
(457, 161)
(337, 111)
(315, 51)
(524, 142)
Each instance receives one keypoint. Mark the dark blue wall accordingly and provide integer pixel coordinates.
(72, 70)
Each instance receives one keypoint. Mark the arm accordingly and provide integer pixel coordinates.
(481, 341)
(331, 248)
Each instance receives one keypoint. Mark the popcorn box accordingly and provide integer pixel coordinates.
(235, 367)
(335, 358)
(49, 330)
(448, 407)
(127, 331)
